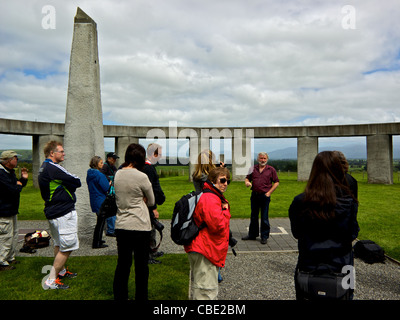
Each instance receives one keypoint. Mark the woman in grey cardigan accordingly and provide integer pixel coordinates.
(134, 194)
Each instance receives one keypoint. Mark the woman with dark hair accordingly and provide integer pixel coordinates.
(134, 194)
(324, 219)
(98, 186)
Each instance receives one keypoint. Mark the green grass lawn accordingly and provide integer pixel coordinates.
(167, 281)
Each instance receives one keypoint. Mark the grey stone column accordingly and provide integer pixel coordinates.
(307, 149)
(121, 143)
(84, 137)
(194, 147)
(38, 143)
(380, 159)
(242, 157)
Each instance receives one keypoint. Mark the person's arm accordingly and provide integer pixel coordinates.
(68, 180)
(7, 188)
(249, 177)
(274, 186)
(214, 214)
(148, 192)
(247, 182)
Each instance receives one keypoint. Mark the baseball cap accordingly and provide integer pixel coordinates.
(112, 155)
(9, 154)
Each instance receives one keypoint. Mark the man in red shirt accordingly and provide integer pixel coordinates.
(263, 180)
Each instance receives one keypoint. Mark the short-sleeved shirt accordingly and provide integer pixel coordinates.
(262, 181)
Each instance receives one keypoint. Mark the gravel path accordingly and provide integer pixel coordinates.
(269, 276)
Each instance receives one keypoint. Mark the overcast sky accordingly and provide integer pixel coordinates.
(208, 62)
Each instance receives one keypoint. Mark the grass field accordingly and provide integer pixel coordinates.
(94, 280)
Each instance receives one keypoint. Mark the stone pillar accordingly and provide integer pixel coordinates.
(121, 143)
(307, 149)
(194, 147)
(242, 153)
(380, 159)
(38, 143)
(84, 137)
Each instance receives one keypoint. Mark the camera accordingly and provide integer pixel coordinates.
(157, 224)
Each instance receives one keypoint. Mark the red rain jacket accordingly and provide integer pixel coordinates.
(213, 240)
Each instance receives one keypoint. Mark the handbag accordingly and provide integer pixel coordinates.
(321, 284)
(109, 206)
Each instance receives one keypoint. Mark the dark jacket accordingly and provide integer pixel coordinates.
(9, 192)
(109, 171)
(98, 186)
(321, 241)
(57, 187)
(151, 173)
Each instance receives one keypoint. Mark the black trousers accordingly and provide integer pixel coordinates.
(128, 242)
(98, 230)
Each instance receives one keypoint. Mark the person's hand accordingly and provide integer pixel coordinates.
(156, 214)
(247, 183)
(225, 206)
(24, 173)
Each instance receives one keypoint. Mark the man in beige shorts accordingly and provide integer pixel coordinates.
(57, 187)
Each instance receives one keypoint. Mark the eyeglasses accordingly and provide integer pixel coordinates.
(223, 180)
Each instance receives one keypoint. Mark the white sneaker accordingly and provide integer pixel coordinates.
(54, 284)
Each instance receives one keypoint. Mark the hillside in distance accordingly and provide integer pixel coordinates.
(353, 151)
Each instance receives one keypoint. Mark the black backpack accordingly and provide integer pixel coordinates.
(369, 251)
(183, 227)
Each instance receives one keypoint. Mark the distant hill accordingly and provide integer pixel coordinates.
(26, 155)
(353, 151)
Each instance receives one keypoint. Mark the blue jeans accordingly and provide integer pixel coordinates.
(259, 202)
(111, 224)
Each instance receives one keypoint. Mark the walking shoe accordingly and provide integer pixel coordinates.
(56, 284)
(264, 241)
(6, 267)
(154, 261)
(157, 254)
(248, 238)
(100, 246)
(67, 274)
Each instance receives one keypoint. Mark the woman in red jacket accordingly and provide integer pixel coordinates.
(207, 252)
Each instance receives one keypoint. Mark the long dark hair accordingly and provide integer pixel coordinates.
(327, 181)
(135, 155)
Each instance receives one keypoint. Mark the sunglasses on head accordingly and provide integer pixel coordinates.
(223, 180)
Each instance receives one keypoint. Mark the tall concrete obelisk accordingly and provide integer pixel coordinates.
(84, 137)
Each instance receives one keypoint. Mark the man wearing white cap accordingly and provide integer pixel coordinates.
(10, 189)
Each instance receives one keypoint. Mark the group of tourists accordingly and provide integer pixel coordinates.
(323, 218)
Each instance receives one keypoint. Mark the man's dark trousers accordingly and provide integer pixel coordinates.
(259, 201)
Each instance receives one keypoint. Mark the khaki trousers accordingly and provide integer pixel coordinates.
(8, 239)
(204, 278)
